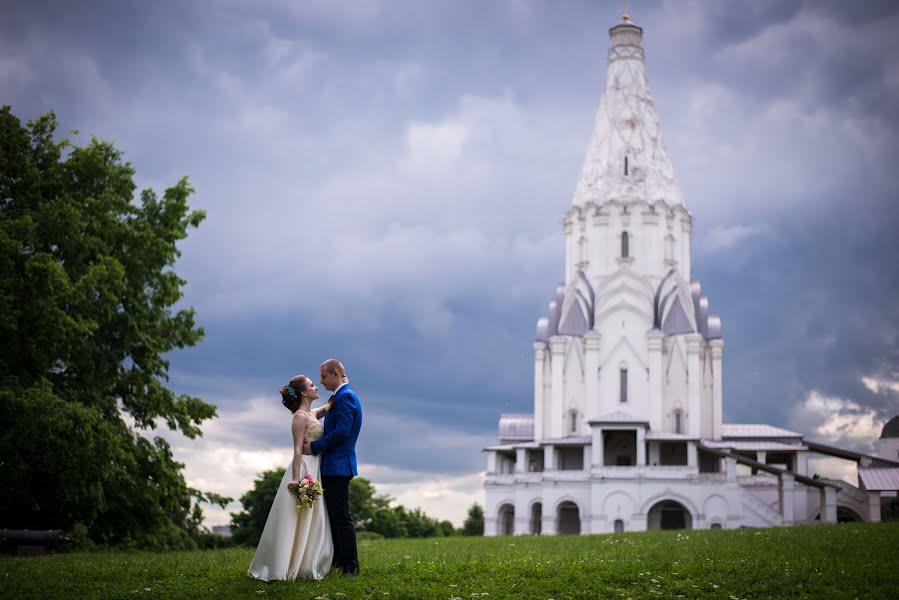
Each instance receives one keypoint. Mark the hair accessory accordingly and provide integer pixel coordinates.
(291, 391)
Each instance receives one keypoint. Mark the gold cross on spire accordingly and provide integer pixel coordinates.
(624, 16)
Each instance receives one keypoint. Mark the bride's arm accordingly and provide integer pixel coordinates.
(298, 427)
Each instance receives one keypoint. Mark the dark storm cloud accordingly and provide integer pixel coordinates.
(468, 120)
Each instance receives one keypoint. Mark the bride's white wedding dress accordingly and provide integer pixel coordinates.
(296, 544)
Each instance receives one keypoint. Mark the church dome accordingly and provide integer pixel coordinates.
(891, 429)
(516, 427)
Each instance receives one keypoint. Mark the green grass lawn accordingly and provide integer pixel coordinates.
(824, 561)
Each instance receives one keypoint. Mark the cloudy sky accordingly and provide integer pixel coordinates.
(385, 182)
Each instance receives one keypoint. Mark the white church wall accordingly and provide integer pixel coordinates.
(675, 384)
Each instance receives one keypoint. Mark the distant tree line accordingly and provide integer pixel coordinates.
(374, 515)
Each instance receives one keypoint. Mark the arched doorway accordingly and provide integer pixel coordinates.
(569, 518)
(536, 518)
(669, 514)
(506, 519)
(618, 526)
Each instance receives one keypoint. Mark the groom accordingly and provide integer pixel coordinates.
(338, 465)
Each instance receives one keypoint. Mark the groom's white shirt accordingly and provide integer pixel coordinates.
(334, 393)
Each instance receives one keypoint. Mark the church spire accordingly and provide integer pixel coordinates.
(626, 159)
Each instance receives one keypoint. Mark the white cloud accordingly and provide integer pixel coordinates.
(881, 384)
(831, 467)
(445, 497)
(839, 421)
(725, 237)
(237, 446)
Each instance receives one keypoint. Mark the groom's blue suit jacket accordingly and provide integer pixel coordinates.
(338, 445)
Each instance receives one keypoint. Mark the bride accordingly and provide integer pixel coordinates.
(296, 544)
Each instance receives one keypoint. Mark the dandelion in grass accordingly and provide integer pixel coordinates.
(306, 490)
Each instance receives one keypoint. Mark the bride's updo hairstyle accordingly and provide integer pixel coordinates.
(290, 393)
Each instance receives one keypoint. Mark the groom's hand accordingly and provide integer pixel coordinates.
(307, 447)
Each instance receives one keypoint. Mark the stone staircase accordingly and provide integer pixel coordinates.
(767, 514)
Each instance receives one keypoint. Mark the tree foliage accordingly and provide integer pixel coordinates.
(87, 288)
(371, 511)
(247, 525)
(474, 523)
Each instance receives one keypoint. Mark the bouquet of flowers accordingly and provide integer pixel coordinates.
(306, 491)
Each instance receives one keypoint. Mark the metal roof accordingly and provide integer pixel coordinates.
(618, 417)
(573, 440)
(666, 436)
(879, 478)
(755, 430)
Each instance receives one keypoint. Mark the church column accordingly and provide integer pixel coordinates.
(785, 487)
(801, 465)
(730, 467)
(591, 364)
(717, 415)
(491, 462)
(691, 455)
(588, 456)
(557, 345)
(829, 507)
(489, 526)
(694, 384)
(521, 525)
(654, 342)
(521, 465)
(539, 400)
(549, 458)
(596, 447)
(641, 446)
(873, 507)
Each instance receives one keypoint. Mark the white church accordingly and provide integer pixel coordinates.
(627, 431)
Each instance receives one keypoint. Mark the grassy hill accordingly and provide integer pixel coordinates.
(824, 561)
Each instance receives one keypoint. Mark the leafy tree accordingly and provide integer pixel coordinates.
(87, 288)
(372, 512)
(474, 524)
(247, 525)
(365, 502)
(445, 529)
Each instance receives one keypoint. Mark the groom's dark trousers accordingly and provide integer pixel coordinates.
(338, 466)
(343, 531)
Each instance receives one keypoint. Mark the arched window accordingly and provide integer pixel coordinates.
(622, 382)
(678, 425)
(572, 421)
(715, 526)
(619, 526)
(625, 243)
